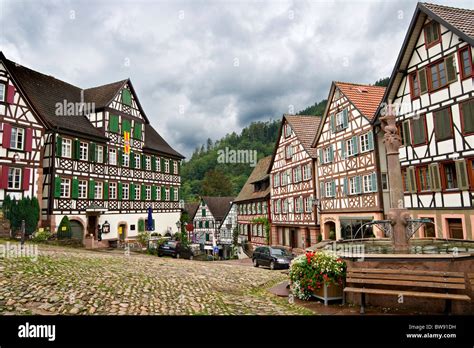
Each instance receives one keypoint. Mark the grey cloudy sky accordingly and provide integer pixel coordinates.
(206, 68)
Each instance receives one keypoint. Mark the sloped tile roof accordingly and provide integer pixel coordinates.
(460, 18)
(103, 95)
(219, 206)
(191, 208)
(259, 173)
(366, 98)
(305, 128)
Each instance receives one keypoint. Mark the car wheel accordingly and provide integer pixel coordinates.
(255, 263)
(272, 265)
(178, 255)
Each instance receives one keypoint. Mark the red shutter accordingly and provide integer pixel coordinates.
(3, 177)
(7, 133)
(26, 179)
(10, 94)
(29, 139)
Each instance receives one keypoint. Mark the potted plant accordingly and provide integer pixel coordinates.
(319, 274)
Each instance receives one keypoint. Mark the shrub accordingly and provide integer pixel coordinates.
(310, 271)
(320, 237)
(143, 238)
(42, 236)
(64, 228)
(332, 235)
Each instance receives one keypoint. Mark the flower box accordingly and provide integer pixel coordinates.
(329, 292)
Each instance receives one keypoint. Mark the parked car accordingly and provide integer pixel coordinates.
(175, 249)
(272, 256)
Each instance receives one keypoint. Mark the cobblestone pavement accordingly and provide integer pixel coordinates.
(76, 281)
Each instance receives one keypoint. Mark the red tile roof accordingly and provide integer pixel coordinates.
(460, 18)
(305, 127)
(366, 98)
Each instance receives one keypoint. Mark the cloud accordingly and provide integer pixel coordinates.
(225, 64)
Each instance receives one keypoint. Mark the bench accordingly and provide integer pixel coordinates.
(396, 282)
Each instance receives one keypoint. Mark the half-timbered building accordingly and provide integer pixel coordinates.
(431, 88)
(293, 187)
(101, 160)
(253, 206)
(349, 189)
(225, 236)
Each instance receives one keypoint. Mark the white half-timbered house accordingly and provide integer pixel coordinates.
(349, 189)
(293, 187)
(432, 89)
(253, 205)
(225, 236)
(102, 161)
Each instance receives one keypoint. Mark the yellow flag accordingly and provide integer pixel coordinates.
(126, 142)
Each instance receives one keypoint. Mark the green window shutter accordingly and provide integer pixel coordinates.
(75, 188)
(345, 119)
(143, 161)
(450, 68)
(143, 192)
(132, 159)
(331, 153)
(120, 157)
(419, 130)
(106, 190)
(163, 193)
(206, 225)
(333, 189)
(132, 191)
(461, 173)
(411, 179)
(141, 225)
(423, 82)
(321, 190)
(126, 126)
(119, 191)
(406, 133)
(203, 212)
(435, 177)
(467, 110)
(126, 97)
(333, 123)
(345, 188)
(171, 193)
(373, 178)
(57, 187)
(162, 165)
(207, 236)
(137, 130)
(59, 146)
(370, 136)
(76, 149)
(113, 123)
(91, 189)
(179, 167)
(358, 184)
(92, 152)
(321, 157)
(106, 154)
(153, 163)
(154, 193)
(343, 149)
(355, 145)
(442, 120)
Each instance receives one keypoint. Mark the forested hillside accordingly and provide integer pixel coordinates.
(202, 174)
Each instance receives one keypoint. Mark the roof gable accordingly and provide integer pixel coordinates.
(219, 206)
(259, 173)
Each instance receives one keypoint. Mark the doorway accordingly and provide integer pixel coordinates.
(293, 238)
(122, 231)
(92, 225)
(249, 233)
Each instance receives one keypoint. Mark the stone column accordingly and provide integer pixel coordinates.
(397, 212)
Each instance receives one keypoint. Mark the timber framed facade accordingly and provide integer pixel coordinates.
(431, 88)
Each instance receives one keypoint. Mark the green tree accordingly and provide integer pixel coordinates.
(216, 183)
(64, 228)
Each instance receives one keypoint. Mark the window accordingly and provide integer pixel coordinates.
(384, 179)
(287, 130)
(404, 132)
(148, 193)
(442, 73)
(455, 229)
(125, 159)
(450, 176)
(364, 142)
(465, 60)
(158, 164)
(341, 120)
(442, 124)
(467, 116)
(285, 206)
(328, 189)
(298, 204)
(113, 157)
(404, 180)
(167, 166)
(100, 154)
(148, 162)
(415, 85)
(175, 167)
(83, 151)
(2, 92)
(307, 172)
(98, 194)
(308, 204)
(368, 181)
(17, 138)
(297, 174)
(125, 192)
(418, 128)
(432, 33)
(137, 161)
(167, 194)
(113, 190)
(284, 179)
(288, 176)
(278, 206)
(350, 147)
(327, 155)
(137, 192)
(65, 188)
(423, 178)
(66, 148)
(176, 195)
(288, 151)
(82, 189)
(354, 185)
(438, 75)
(276, 179)
(14, 178)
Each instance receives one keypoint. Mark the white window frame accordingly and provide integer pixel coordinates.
(167, 194)
(328, 189)
(367, 183)
(113, 157)
(276, 180)
(175, 196)
(83, 151)
(3, 90)
(99, 190)
(66, 148)
(125, 159)
(167, 166)
(137, 161)
(125, 192)
(137, 192)
(352, 186)
(326, 154)
(306, 172)
(100, 153)
(82, 189)
(289, 175)
(14, 178)
(364, 142)
(308, 204)
(17, 138)
(175, 167)
(339, 120)
(65, 191)
(148, 162)
(112, 190)
(349, 147)
(158, 164)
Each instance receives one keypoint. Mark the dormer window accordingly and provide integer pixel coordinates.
(432, 34)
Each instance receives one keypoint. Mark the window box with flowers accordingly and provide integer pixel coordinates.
(320, 274)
